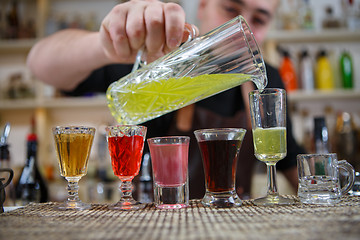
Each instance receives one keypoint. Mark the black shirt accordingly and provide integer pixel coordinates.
(225, 109)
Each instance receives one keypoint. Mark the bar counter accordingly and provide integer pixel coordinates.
(299, 221)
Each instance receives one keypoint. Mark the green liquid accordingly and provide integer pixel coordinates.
(136, 103)
(270, 144)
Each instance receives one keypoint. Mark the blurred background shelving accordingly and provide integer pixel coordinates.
(53, 103)
(329, 35)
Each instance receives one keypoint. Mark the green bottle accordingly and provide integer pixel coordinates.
(346, 68)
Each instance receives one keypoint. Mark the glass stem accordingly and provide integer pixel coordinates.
(126, 189)
(271, 180)
(73, 189)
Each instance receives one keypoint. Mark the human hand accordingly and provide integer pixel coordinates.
(157, 26)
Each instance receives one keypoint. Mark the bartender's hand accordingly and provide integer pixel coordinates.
(69, 56)
(156, 25)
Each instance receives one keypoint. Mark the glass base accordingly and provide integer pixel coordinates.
(271, 200)
(221, 200)
(166, 197)
(129, 204)
(171, 206)
(321, 198)
(68, 205)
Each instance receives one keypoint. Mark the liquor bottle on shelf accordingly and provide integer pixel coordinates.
(346, 139)
(287, 72)
(306, 71)
(12, 21)
(145, 186)
(346, 146)
(330, 21)
(31, 186)
(324, 78)
(306, 15)
(103, 191)
(306, 121)
(321, 136)
(4, 147)
(346, 68)
(5, 163)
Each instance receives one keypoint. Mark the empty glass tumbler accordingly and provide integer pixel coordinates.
(319, 178)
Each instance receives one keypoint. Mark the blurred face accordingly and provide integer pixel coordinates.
(257, 13)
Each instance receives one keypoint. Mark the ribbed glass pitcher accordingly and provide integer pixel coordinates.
(217, 61)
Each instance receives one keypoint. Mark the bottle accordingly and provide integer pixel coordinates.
(4, 147)
(102, 189)
(321, 136)
(91, 23)
(324, 78)
(330, 21)
(5, 163)
(306, 15)
(31, 186)
(306, 127)
(346, 146)
(346, 140)
(145, 186)
(51, 24)
(287, 72)
(13, 22)
(346, 68)
(62, 22)
(306, 71)
(351, 14)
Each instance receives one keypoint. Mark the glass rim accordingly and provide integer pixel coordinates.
(305, 155)
(261, 67)
(250, 41)
(267, 91)
(184, 139)
(124, 126)
(212, 130)
(125, 130)
(73, 127)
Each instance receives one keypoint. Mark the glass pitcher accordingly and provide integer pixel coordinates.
(217, 61)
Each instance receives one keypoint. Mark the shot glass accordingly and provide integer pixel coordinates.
(220, 152)
(169, 156)
(319, 178)
(73, 147)
(126, 144)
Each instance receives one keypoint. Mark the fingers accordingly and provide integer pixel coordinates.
(157, 26)
(135, 26)
(155, 30)
(174, 25)
(113, 34)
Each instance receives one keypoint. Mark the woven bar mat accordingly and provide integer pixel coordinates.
(299, 221)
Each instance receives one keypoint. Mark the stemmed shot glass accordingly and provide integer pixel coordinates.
(126, 144)
(73, 146)
(268, 120)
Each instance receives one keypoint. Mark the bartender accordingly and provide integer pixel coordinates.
(78, 62)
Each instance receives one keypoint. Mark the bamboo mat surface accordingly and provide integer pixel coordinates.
(299, 221)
